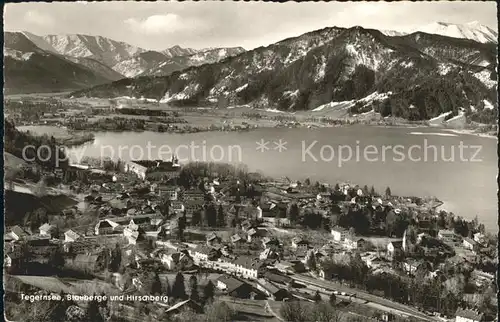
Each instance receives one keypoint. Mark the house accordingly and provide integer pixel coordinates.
(132, 237)
(466, 315)
(38, 240)
(17, 233)
(71, 236)
(106, 227)
(170, 192)
(252, 235)
(47, 230)
(234, 287)
(410, 266)
(268, 242)
(153, 233)
(421, 237)
(138, 169)
(373, 261)
(277, 278)
(175, 261)
(271, 290)
(203, 253)
(446, 235)
(394, 247)
(479, 238)
(339, 233)
(177, 206)
(80, 246)
(237, 241)
(247, 267)
(268, 253)
(213, 239)
(351, 242)
(469, 243)
(299, 243)
(193, 195)
(191, 206)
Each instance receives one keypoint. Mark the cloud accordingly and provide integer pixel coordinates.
(159, 24)
(37, 18)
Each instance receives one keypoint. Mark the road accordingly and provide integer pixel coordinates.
(361, 297)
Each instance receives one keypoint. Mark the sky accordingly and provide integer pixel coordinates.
(159, 25)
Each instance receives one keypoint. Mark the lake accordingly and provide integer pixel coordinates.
(459, 169)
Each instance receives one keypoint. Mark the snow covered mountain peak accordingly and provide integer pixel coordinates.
(472, 30)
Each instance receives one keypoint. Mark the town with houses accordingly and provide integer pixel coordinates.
(215, 242)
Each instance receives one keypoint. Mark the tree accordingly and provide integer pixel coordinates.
(307, 182)
(179, 289)
(324, 313)
(116, 259)
(372, 191)
(211, 215)
(366, 192)
(209, 291)
(221, 217)
(92, 313)
(193, 288)
(388, 192)
(317, 297)
(181, 226)
(295, 311)
(220, 312)
(56, 258)
(337, 187)
(333, 299)
(293, 213)
(156, 285)
(196, 218)
(311, 261)
(168, 288)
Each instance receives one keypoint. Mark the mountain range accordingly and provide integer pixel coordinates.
(69, 62)
(472, 31)
(418, 75)
(421, 75)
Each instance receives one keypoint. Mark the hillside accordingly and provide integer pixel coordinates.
(207, 56)
(97, 67)
(423, 75)
(139, 63)
(105, 50)
(28, 69)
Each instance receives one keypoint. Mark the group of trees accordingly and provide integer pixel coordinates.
(151, 284)
(297, 311)
(431, 294)
(45, 151)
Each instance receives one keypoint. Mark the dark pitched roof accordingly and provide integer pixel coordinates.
(397, 244)
(231, 282)
(19, 231)
(248, 262)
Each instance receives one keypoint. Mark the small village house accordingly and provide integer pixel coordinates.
(47, 230)
(469, 243)
(394, 247)
(446, 235)
(234, 287)
(299, 243)
(339, 233)
(71, 236)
